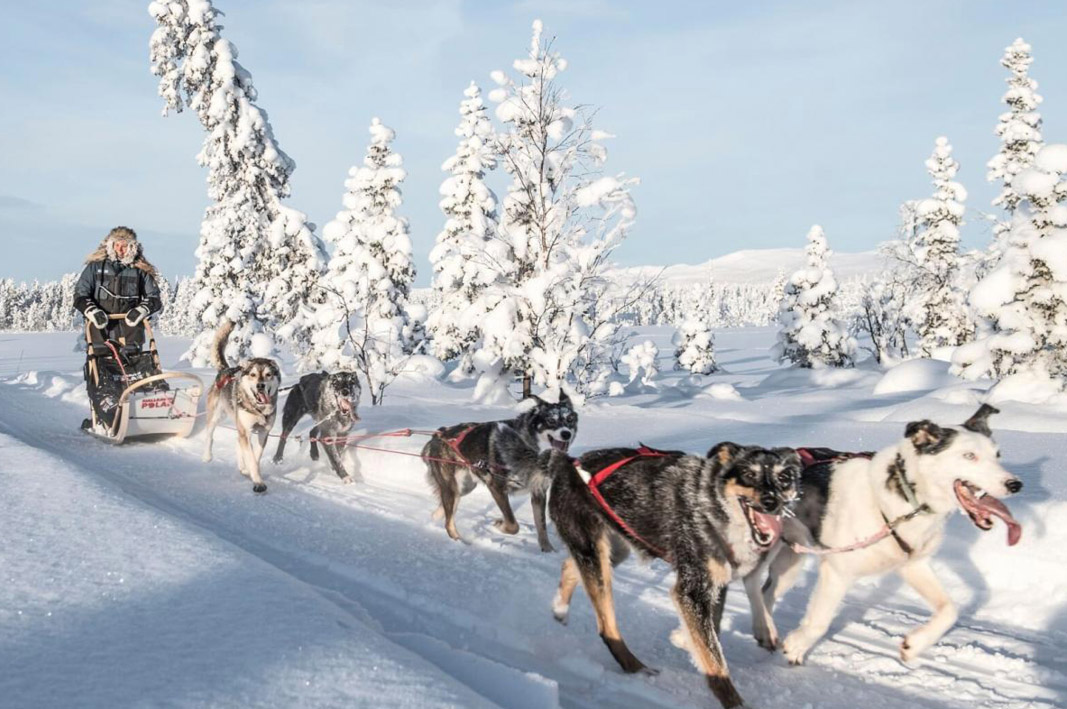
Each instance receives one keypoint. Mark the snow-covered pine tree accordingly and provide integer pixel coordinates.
(809, 333)
(8, 304)
(694, 342)
(258, 259)
(365, 321)
(780, 282)
(695, 346)
(1025, 297)
(937, 304)
(460, 259)
(1019, 130)
(561, 220)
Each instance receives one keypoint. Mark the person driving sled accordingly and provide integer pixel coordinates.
(117, 280)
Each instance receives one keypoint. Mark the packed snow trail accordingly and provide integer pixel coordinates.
(480, 612)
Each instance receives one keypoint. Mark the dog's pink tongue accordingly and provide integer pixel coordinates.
(263, 398)
(997, 508)
(768, 524)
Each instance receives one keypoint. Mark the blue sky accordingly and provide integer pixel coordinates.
(746, 122)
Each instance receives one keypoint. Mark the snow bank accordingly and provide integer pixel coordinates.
(915, 375)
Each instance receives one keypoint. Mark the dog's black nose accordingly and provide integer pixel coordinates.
(565, 435)
(1014, 485)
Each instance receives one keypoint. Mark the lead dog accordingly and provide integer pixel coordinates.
(711, 518)
(503, 456)
(249, 394)
(331, 400)
(933, 471)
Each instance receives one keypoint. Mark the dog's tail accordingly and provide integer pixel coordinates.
(218, 352)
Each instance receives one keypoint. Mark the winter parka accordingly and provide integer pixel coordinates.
(117, 286)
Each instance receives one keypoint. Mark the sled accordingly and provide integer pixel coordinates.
(152, 403)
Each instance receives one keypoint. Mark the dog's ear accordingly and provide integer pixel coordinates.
(789, 457)
(564, 400)
(979, 421)
(724, 453)
(528, 403)
(926, 435)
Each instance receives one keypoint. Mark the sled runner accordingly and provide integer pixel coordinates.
(130, 395)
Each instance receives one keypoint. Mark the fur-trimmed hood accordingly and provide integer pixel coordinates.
(134, 256)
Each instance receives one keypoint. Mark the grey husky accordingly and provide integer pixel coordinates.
(503, 456)
(331, 401)
(249, 394)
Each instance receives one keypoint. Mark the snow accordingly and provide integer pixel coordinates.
(323, 594)
(914, 375)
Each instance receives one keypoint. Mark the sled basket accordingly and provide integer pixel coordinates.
(148, 401)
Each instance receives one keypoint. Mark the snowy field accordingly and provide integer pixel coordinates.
(140, 576)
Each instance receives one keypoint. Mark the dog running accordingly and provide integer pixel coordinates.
(933, 471)
(248, 393)
(711, 518)
(331, 400)
(503, 456)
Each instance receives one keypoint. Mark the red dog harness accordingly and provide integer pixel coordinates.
(594, 488)
(454, 444)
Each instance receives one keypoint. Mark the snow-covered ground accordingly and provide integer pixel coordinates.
(140, 576)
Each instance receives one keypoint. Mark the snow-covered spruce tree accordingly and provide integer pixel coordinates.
(809, 333)
(364, 321)
(8, 303)
(694, 344)
(561, 220)
(695, 347)
(937, 305)
(258, 259)
(461, 271)
(1025, 297)
(1019, 130)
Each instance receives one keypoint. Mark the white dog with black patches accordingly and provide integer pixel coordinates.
(915, 484)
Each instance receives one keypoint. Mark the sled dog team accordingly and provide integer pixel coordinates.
(739, 512)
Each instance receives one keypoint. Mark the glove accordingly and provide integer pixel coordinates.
(96, 316)
(135, 316)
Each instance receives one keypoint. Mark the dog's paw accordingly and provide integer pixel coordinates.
(506, 528)
(910, 649)
(560, 610)
(680, 638)
(277, 460)
(547, 548)
(768, 643)
(206, 457)
(259, 487)
(347, 480)
(766, 639)
(794, 649)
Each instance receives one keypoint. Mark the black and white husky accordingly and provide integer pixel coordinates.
(503, 456)
(929, 474)
(331, 400)
(712, 518)
(249, 394)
